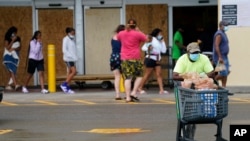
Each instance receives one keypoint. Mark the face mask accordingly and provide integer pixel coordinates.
(159, 37)
(71, 36)
(225, 28)
(194, 57)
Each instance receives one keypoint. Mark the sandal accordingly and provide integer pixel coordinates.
(134, 98)
(163, 92)
(118, 98)
(142, 92)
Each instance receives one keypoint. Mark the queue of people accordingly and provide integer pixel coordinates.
(35, 59)
(125, 59)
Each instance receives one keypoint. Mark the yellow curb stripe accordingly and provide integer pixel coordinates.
(46, 102)
(9, 103)
(164, 101)
(241, 100)
(5, 131)
(84, 102)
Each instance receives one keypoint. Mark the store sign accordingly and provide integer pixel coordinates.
(229, 14)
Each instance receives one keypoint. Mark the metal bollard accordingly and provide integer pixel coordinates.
(51, 68)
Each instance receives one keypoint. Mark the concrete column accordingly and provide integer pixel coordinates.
(78, 13)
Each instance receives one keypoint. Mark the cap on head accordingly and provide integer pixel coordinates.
(223, 23)
(69, 29)
(193, 47)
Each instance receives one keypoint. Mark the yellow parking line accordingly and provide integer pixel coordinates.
(164, 101)
(84, 102)
(5, 131)
(241, 100)
(9, 103)
(46, 102)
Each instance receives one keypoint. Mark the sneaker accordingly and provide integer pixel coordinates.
(25, 90)
(64, 87)
(70, 91)
(44, 91)
(8, 88)
(17, 87)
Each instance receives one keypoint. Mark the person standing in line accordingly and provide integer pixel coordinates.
(153, 49)
(35, 61)
(11, 56)
(69, 57)
(115, 61)
(131, 65)
(178, 45)
(220, 51)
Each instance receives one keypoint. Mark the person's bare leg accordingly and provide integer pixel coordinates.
(71, 74)
(136, 85)
(28, 79)
(224, 81)
(128, 88)
(41, 78)
(117, 75)
(159, 78)
(148, 71)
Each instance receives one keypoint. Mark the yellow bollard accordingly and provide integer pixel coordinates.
(51, 68)
(122, 88)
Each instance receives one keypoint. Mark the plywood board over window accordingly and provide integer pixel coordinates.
(52, 24)
(99, 28)
(149, 17)
(20, 17)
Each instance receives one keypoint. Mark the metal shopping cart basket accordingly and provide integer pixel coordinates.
(199, 107)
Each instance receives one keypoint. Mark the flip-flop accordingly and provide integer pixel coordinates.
(134, 98)
(142, 92)
(164, 92)
(118, 98)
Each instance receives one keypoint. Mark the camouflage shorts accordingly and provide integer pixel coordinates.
(132, 69)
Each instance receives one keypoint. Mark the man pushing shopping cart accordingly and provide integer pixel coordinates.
(198, 99)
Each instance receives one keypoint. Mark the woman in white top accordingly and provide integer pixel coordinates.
(153, 49)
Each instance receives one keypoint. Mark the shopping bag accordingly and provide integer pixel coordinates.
(219, 67)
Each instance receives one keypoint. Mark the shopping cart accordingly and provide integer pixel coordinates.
(199, 107)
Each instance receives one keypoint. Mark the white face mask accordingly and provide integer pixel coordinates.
(71, 36)
(226, 28)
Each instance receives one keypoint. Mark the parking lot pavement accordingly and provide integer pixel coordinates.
(95, 96)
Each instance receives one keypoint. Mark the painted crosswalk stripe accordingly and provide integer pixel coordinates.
(84, 102)
(46, 102)
(9, 103)
(164, 101)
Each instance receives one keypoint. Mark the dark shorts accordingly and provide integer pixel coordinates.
(115, 62)
(150, 63)
(35, 64)
(132, 69)
(70, 64)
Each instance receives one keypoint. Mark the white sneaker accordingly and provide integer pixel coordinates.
(25, 90)
(44, 91)
(8, 87)
(70, 91)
